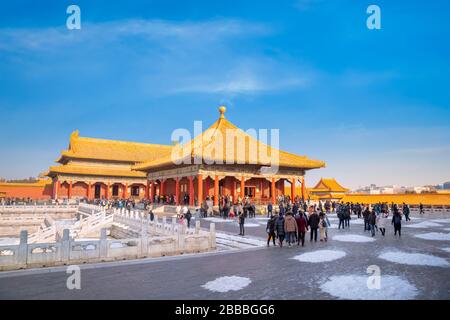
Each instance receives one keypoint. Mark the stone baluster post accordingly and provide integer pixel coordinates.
(174, 224)
(212, 235)
(181, 238)
(103, 244)
(197, 227)
(65, 246)
(22, 253)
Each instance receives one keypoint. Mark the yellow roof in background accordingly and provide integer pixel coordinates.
(113, 150)
(215, 137)
(325, 185)
(39, 183)
(414, 199)
(95, 171)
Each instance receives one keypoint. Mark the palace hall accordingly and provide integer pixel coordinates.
(213, 164)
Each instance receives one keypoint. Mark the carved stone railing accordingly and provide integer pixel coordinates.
(67, 251)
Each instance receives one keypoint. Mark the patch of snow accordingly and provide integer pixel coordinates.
(252, 241)
(446, 249)
(441, 220)
(424, 224)
(218, 220)
(353, 238)
(9, 241)
(355, 288)
(438, 236)
(117, 245)
(320, 256)
(446, 229)
(251, 225)
(414, 259)
(225, 284)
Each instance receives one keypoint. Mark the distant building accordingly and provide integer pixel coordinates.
(327, 189)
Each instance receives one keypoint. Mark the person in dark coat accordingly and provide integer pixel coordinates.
(269, 210)
(302, 227)
(188, 217)
(372, 221)
(241, 223)
(406, 212)
(279, 229)
(397, 222)
(314, 225)
(366, 215)
(270, 229)
(340, 215)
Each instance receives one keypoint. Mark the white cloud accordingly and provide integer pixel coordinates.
(164, 57)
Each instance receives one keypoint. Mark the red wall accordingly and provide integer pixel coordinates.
(33, 192)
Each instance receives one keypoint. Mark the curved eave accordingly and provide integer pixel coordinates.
(163, 163)
(94, 172)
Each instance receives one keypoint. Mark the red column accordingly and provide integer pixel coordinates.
(69, 191)
(177, 190)
(191, 191)
(200, 189)
(216, 191)
(152, 191)
(292, 189)
(55, 189)
(88, 191)
(273, 191)
(147, 190)
(242, 187)
(233, 189)
(303, 189)
(124, 190)
(107, 192)
(161, 188)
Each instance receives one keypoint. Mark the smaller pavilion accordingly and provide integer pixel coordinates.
(328, 189)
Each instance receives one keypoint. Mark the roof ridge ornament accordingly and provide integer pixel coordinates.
(222, 110)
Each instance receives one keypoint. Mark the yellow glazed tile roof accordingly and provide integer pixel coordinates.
(113, 150)
(94, 171)
(40, 183)
(216, 138)
(411, 199)
(328, 185)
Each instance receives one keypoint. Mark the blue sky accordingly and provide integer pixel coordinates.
(375, 105)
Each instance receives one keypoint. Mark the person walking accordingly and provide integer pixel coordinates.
(382, 222)
(241, 218)
(270, 229)
(397, 222)
(279, 228)
(290, 227)
(347, 215)
(372, 221)
(188, 217)
(302, 227)
(323, 226)
(421, 211)
(340, 215)
(269, 209)
(313, 225)
(406, 211)
(366, 215)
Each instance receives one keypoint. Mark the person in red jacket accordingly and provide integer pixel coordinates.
(302, 227)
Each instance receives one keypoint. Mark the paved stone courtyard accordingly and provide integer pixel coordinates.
(411, 268)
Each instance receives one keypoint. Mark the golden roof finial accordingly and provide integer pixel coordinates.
(222, 110)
